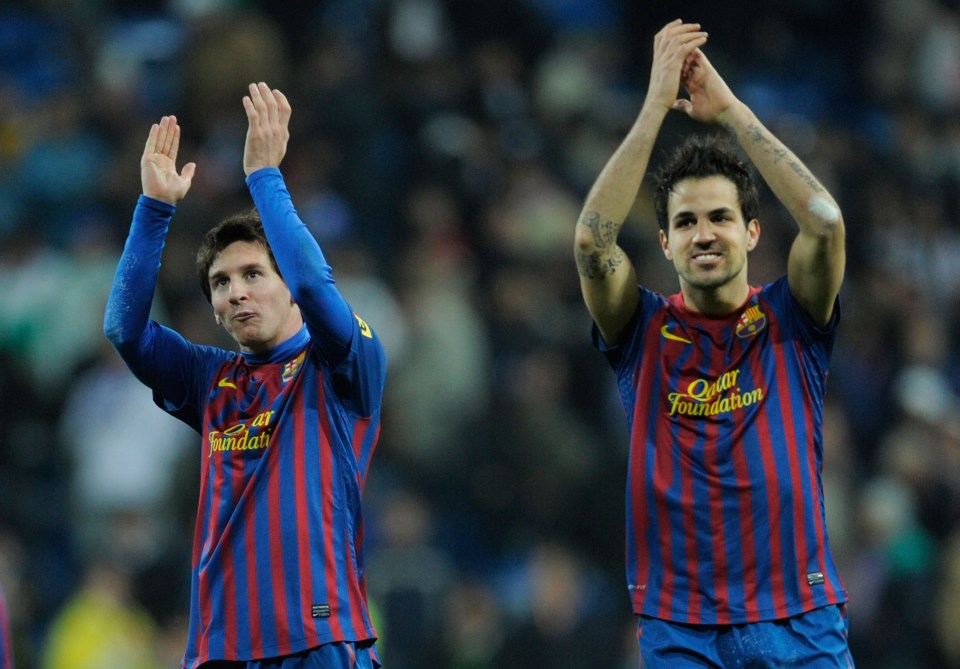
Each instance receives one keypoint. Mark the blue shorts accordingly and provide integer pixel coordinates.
(813, 640)
(337, 655)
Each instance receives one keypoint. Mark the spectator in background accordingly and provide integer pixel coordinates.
(288, 425)
(722, 383)
(102, 625)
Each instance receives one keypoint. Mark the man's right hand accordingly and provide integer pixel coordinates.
(158, 165)
(671, 48)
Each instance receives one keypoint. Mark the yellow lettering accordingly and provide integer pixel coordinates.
(703, 399)
(228, 441)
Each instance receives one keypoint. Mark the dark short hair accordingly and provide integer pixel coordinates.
(701, 156)
(244, 226)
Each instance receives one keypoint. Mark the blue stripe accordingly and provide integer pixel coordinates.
(268, 620)
(312, 478)
(288, 524)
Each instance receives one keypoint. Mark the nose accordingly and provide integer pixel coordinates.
(704, 232)
(238, 292)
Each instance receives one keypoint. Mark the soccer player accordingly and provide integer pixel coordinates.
(728, 562)
(287, 425)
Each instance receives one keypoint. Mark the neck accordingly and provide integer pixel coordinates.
(715, 301)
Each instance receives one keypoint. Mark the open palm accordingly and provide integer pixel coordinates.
(158, 165)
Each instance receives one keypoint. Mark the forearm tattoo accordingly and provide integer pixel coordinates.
(757, 136)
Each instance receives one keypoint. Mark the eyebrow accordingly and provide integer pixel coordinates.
(243, 270)
(683, 215)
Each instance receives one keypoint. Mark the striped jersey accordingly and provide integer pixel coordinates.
(725, 514)
(6, 643)
(286, 442)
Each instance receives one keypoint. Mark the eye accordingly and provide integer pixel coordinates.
(220, 282)
(254, 273)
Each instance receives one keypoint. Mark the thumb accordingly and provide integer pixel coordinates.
(188, 171)
(683, 105)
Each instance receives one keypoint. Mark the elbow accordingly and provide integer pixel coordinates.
(584, 241)
(112, 329)
(826, 219)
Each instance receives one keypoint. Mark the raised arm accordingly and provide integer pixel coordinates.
(128, 307)
(817, 256)
(158, 356)
(301, 262)
(607, 277)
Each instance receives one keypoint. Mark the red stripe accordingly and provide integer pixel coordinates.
(793, 458)
(229, 600)
(690, 565)
(326, 488)
(303, 522)
(277, 573)
(748, 539)
(773, 498)
(230, 604)
(357, 602)
(362, 583)
(640, 451)
(359, 431)
(204, 586)
(721, 588)
(662, 473)
(253, 596)
(7, 646)
(815, 492)
(638, 481)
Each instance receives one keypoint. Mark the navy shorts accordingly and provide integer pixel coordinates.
(337, 655)
(813, 640)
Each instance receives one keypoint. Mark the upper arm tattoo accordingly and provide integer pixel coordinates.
(604, 232)
(598, 265)
(604, 261)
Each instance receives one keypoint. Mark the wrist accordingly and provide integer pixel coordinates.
(737, 115)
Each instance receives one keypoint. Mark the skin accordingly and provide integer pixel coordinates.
(250, 300)
(718, 286)
(708, 242)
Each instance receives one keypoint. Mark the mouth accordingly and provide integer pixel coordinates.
(243, 316)
(707, 257)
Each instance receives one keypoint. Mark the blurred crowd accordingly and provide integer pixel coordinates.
(440, 152)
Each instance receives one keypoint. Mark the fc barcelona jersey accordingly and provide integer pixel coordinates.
(286, 442)
(725, 514)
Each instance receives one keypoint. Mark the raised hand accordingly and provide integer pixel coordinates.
(709, 94)
(158, 165)
(268, 117)
(671, 48)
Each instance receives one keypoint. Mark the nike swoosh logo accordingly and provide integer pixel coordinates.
(226, 384)
(665, 331)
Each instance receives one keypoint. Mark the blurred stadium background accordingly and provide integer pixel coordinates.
(440, 152)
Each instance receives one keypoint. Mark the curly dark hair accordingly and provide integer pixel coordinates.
(702, 156)
(244, 226)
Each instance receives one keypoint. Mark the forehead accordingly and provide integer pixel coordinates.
(239, 254)
(699, 194)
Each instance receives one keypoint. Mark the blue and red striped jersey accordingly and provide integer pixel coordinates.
(6, 643)
(725, 513)
(286, 442)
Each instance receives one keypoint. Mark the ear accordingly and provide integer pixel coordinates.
(753, 234)
(665, 245)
